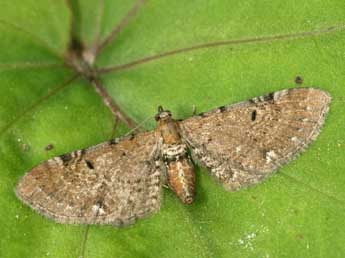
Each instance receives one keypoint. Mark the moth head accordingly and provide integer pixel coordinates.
(162, 114)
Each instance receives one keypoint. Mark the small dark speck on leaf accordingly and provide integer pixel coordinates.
(299, 79)
(49, 147)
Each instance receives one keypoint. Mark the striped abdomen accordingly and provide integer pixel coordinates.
(180, 171)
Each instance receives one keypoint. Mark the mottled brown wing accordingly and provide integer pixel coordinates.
(111, 183)
(243, 143)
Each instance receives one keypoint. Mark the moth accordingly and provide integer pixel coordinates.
(120, 181)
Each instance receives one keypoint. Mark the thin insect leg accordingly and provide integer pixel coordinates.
(83, 244)
(86, 233)
(135, 129)
(113, 132)
(156, 156)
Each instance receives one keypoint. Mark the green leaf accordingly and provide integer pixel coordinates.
(299, 212)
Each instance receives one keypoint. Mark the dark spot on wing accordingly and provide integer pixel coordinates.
(252, 101)
(269, 97)
(222, 108)
(202, 114)
(147, 163)
(89, 164)
(253, 115)
(66, 158)
(264, 153)
(79, 155)
(82, 210)
(100, 203)
(114, 141)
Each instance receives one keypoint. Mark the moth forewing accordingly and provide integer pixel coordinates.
(115, 182)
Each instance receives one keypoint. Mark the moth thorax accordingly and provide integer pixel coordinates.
(164, 115)
(173, 151)
(169, 131)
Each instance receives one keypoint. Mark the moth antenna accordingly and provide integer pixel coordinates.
(139, 125)
(160, 109)
(194, 110)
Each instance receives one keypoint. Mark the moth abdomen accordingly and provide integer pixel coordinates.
(181, 179)
(180, 171)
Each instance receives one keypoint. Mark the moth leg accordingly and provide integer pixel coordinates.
(164, 176)
(166, 186)
(158, 163)
(194, 110)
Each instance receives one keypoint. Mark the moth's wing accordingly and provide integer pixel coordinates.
(111, 183)
(243, 143)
